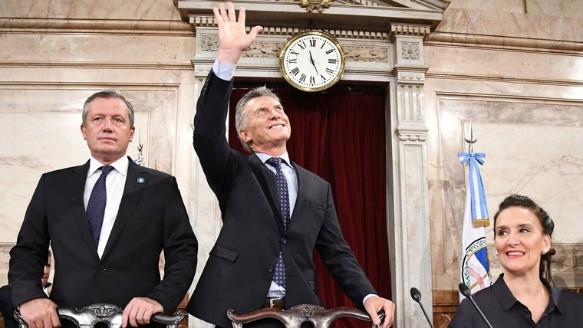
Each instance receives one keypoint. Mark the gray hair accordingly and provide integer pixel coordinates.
(108, 94)
(241, 115)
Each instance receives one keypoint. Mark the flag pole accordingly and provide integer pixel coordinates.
(471, 141)
(475, 267)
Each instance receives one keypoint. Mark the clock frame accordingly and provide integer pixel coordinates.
(312, 61)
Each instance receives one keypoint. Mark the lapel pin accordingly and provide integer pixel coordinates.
(141, 180)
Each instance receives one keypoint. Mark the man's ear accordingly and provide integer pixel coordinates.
(132, 133)
(243, 135)
(83, 131)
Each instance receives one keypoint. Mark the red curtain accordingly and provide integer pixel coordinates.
(340, 136)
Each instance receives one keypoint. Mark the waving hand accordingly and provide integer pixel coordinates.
(233, 38)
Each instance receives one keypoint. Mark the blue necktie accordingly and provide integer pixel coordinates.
(282, 193)
(96, 204)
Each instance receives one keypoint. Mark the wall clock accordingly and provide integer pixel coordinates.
(312, 61)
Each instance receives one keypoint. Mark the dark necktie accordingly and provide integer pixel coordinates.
(96, 204)
(282, 193)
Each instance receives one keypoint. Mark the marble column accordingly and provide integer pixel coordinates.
(409, 228)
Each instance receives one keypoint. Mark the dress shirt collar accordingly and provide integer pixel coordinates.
(508, 300)
(121, 165)
(285, 157)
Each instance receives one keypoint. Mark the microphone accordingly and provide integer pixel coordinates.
(416, 296)
(465, 290)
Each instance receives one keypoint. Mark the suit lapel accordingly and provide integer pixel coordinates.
(136, 181)
(76, 191)
(301, 192)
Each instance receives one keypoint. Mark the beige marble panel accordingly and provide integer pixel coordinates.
(531, 148)
(551, 20)
(95, 9)
(498, 64)
(563, 8)
(87, 48)
(4, 258)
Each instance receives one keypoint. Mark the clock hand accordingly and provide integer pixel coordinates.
(312, 61)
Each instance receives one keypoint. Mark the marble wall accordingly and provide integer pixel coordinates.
(513, 68)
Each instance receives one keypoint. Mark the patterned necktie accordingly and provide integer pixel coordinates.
(282, 193)
(96, 204)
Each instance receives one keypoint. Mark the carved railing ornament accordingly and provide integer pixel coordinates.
(108, 314)
(307, 312)
(295, 316)
(103, 310)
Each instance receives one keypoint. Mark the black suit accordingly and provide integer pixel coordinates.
(151, 219)
(240, 266)
(7, 308)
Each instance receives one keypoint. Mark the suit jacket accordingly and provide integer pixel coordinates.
(241, 264)
(7, 308)
(151, 219)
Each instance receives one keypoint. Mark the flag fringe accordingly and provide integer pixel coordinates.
(481, 223)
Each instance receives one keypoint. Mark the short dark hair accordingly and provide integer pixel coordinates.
(545, 221)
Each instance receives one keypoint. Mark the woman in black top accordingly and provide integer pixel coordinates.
(522, 296)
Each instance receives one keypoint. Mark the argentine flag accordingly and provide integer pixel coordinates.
(475, 266)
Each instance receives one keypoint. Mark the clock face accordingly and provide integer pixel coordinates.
(312, 61)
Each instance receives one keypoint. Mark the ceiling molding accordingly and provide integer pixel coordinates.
(364, 15)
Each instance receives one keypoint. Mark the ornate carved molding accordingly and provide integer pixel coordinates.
(270, 49)
(206, 21)
(373, 15)
(95, 26)
(409, 29)
(318, 5)
(366, 53)
(505, 42)
(315, 5)
(411, 77)
(411, 135)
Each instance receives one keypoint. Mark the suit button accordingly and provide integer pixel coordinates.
(270, 269)
(284, 240)
(101, 269)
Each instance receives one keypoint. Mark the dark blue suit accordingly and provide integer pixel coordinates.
(241, 263)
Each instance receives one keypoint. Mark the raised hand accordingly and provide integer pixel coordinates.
(233, 39)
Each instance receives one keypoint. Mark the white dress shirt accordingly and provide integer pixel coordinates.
(114, 185)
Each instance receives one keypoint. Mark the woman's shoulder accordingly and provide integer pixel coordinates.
(566, 295)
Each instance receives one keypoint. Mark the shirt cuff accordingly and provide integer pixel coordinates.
(367, 297)
(224, 71)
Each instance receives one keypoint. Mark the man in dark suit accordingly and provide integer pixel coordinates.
(107, 222)
(243, 271)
